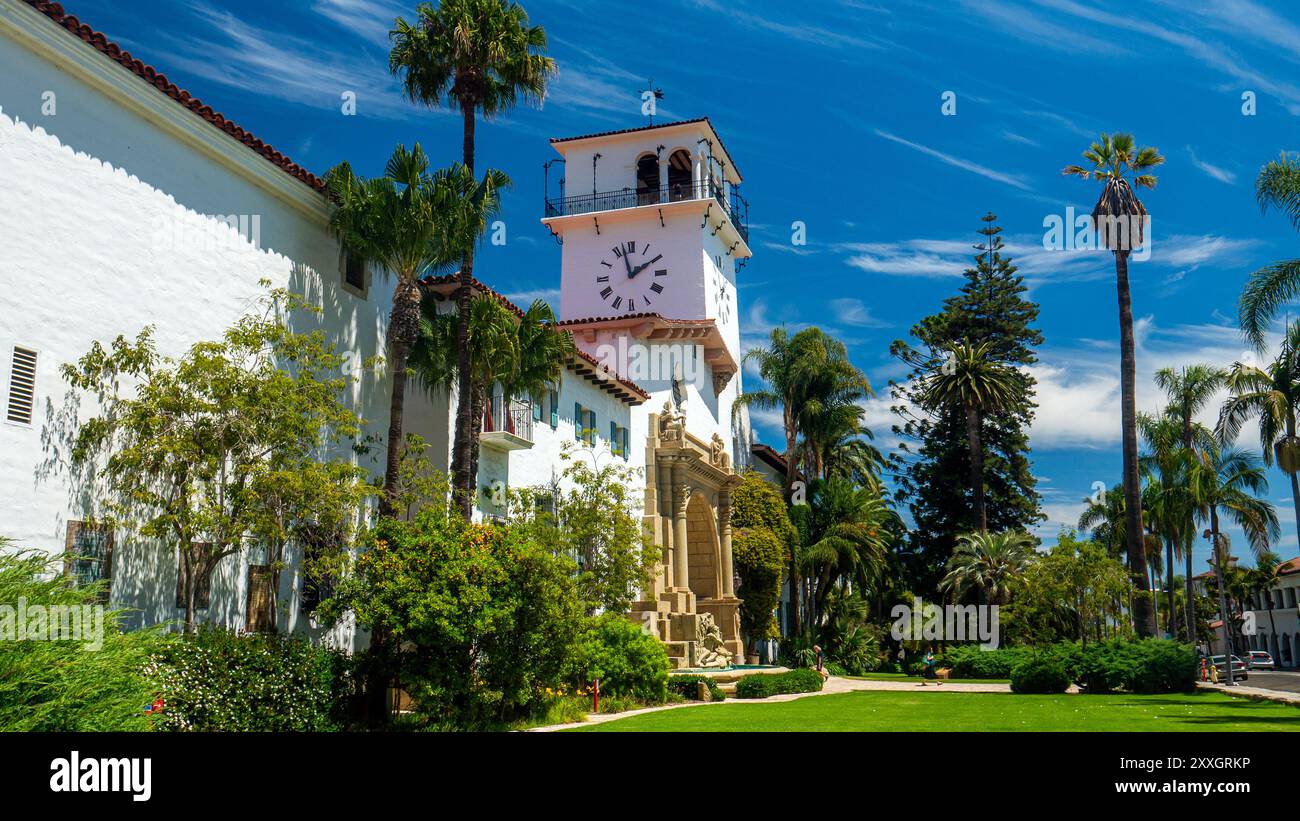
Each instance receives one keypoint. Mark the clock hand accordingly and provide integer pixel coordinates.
(638, 269)
(628, 265)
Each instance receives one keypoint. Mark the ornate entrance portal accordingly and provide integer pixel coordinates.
(691, 605)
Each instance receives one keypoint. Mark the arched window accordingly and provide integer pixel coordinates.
(647, 180)
(680, 176)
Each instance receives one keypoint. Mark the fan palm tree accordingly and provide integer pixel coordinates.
(990, 563)
(1189, 390)
(976, 383)
(1271, 287)
(411, 223)
(475, 56)
(1119, 219)
(1272, 396)
(850, 532)
(1228, 482)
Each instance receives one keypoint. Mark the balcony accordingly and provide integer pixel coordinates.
(735, 206)
(507, 427)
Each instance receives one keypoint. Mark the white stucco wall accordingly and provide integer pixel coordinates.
(108, 226)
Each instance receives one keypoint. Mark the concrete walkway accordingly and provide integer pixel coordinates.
(833, 685)
(1258, 693)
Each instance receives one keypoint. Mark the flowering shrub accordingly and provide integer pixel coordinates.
(216, 680)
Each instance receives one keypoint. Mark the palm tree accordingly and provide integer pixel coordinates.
(850, 532)
(1228, 482)
(1119, 218)
(991, 563)
(809, 369)
(1271, 287)
(1264, 578)
(1104, 519)
(973, 381)
(852, 457)
(1189, 390)
(1272, 395)
(475, 56)
(523, 354)
(410, 223)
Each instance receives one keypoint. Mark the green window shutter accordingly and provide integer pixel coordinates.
(591, 428)
(627, 443)
(555, 409)
(613, 437)
(537, 409)
(579, 420)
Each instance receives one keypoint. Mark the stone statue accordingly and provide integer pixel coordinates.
(718, 452)
(672, 424)
(710, 649)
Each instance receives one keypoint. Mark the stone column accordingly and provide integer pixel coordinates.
(663, 478)
(724, 542)
(681, 498)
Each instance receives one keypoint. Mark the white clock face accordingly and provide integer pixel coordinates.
(631, 277)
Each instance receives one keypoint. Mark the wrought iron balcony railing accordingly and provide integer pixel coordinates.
(516, 418)
(735, 206)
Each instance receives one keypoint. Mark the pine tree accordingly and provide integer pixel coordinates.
(990, 307)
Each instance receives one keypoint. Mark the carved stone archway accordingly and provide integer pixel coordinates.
(688, 509)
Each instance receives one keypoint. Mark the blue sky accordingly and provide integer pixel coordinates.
(833, 112)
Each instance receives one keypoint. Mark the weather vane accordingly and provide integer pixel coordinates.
(648, 98)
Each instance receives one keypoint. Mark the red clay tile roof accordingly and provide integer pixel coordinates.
(158, 80)
(454, 279)
(591, 320)
(1289, 566)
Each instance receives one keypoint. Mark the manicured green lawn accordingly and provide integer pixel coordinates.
(919, 679)
(903, 711)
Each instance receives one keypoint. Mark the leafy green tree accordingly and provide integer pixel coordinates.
(223, 446)
(484, 619)
(1270, 288)
(763, 544)
(992, 564)
(411, 223)
(991, 307)
(596, 522)
(475, 56)
(1119, 218)
(1074, 591)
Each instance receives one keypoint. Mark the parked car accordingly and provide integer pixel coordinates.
(1260, 660)
(1239, 669)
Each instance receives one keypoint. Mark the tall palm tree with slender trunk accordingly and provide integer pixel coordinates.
(411, 223)
(1119, 219)
(1264, 578)
(1104, 518)
(1270, 288)
(1227, 482)
(972, 380)
(478, 57)
(1189, 390)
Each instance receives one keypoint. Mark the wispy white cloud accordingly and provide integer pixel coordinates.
(370, 19)
(1221, 174)
(958, 162)
(852, 311)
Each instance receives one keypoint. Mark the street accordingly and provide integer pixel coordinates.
(1287, 681)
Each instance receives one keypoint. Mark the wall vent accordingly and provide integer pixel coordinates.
(22, 387)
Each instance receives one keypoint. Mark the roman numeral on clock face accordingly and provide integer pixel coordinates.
(602, 279)
(618, 300)
(605, 292)
(656, 287)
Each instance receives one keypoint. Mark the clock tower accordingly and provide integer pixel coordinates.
(653, 233)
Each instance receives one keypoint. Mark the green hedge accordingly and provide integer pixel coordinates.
(1146, 666)
(688, 687)
(972, 661)
(629, 662)
(1039, 673)
(803, 680)
(215, 680)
